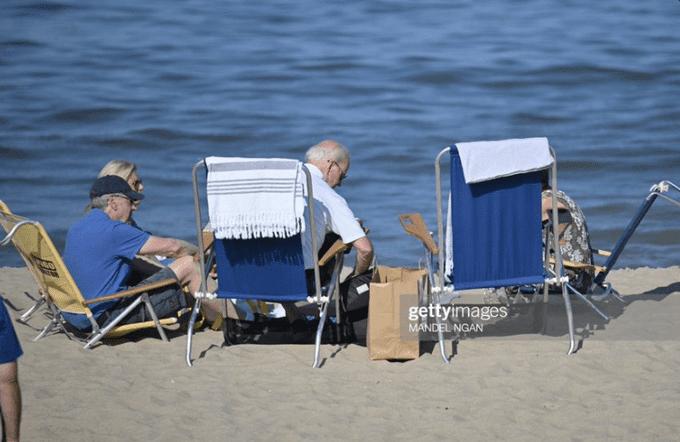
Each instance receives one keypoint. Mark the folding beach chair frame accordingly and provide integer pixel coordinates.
(599, 289)
(322, 300)
(558, 277)
(47, 271)
(5, 212)
(657, 190)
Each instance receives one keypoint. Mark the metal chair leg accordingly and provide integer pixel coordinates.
(24, 318)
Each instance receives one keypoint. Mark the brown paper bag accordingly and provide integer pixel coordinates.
(390, 289)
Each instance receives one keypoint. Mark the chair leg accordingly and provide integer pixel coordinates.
(190, 331)
(152, 312)
(323, 311)
(587, 301)
(56, 321)
(47, 328)
(570, 320)
(440, 328)
(24, 318)
(607, 291)
(440, 335)
(143, 298)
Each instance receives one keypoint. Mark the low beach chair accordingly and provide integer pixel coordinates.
(599, 289)
(60, 293)
(5, 215)
(495, 237)
(258, 259)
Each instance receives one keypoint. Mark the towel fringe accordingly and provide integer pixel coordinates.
(249, 226)
(255, 198)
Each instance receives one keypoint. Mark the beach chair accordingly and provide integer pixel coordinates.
(4, 213)
(599, 289)
(495, 238)
(60, 293)
(257, 260)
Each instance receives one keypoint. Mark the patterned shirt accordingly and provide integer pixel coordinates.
(574, 239)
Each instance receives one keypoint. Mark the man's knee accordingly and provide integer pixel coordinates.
(184, 268)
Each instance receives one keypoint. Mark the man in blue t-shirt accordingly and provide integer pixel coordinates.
(100, 249)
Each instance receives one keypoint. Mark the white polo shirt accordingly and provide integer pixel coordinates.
(332, 214)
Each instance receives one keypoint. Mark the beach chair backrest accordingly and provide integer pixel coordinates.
(496, 230)
(7, 221)
(269, 269)
(263, 261)
(259, 211)
(52, 276)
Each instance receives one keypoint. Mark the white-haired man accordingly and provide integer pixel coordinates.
(328, 163)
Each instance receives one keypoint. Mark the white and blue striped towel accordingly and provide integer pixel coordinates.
(255, 198)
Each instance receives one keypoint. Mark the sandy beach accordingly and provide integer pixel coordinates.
(622, 384)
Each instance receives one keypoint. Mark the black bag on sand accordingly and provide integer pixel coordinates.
(354, 294)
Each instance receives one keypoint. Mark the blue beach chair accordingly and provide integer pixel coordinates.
(495, 215)
(263, 268)
(495, 238)
(599, 288)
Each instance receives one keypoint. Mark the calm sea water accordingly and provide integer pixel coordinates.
(166, 83)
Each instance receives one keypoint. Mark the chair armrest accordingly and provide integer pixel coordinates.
(337, 247)
(601, 252)
(132, 291)
(580, 265)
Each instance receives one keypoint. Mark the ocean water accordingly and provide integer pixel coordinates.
(165, 84)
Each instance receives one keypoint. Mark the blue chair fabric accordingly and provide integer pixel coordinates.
(494, 244)
(268, 269)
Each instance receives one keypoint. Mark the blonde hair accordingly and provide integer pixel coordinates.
(119, 168)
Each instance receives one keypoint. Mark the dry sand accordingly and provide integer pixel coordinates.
(622, 384)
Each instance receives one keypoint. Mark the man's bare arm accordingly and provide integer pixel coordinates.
(364, 254)
(167, 247)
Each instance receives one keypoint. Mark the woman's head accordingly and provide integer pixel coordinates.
(125, 170)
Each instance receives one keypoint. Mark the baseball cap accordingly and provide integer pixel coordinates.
(109, 184)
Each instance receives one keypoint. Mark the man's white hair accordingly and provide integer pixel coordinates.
(327, 150)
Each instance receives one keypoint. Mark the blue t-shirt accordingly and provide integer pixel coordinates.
(98, 254)
(10, 349)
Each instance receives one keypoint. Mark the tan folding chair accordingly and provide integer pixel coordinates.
(60, 293)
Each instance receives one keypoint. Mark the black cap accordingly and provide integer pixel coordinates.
(109, 184)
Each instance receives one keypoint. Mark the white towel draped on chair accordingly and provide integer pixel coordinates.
(251, 198)
(487, 160)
